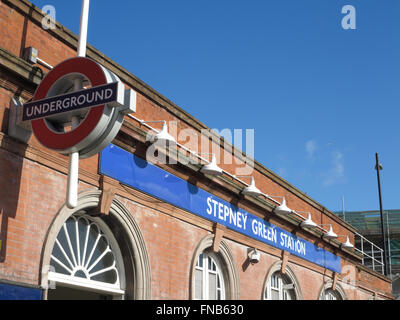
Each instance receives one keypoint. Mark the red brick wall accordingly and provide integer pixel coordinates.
(31, 195)
(17, 32)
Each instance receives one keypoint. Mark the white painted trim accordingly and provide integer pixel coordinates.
(91, 285)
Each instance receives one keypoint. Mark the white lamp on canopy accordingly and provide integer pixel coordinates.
(252, 190)
(308, 223)
(283, 208)
(163, 135)
(212, 167)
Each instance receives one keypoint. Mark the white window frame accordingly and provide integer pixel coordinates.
(206, 271)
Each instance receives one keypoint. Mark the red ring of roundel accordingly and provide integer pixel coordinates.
(61, 141)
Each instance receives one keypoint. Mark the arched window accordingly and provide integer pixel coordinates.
(208, 278)
(213, 274)
(279, 287)
(329, 294)
(86, 261)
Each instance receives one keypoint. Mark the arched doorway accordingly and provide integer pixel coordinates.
(91, 256)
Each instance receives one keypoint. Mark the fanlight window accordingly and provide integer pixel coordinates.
(84, 255)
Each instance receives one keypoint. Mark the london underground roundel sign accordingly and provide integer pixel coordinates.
(100, 107)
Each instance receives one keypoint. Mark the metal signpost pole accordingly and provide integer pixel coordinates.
(378, 167)
(73, 169)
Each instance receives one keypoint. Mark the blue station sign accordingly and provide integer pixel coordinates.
(139, 174)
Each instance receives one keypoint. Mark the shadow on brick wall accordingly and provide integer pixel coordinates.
(11, 164)
(10, 182)
(4, 115)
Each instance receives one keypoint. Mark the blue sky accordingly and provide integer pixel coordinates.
(322, 100)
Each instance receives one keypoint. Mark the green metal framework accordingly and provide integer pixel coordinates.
(368, 224)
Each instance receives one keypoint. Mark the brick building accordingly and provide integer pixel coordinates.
(144, 230)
